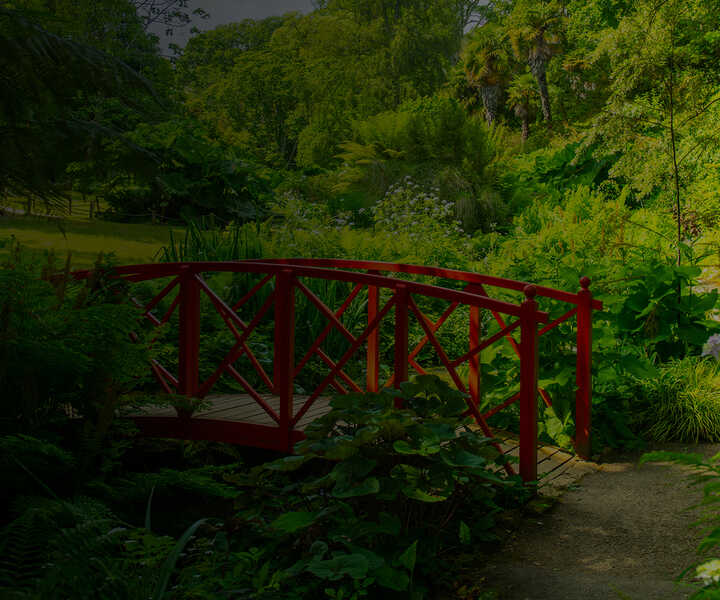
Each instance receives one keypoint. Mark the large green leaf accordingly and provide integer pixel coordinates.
(694, 334)
(353, 565)
(457, 457)
(464, 533)
(702, 302)
(353, 469)
(371, 485)
(407, 559)
(394, 579)
(293, 521)
(169, 565)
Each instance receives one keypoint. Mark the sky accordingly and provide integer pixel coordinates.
(230, 11)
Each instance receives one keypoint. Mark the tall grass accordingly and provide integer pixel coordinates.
(205, 242)
(683, 403)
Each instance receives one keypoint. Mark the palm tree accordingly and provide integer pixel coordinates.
(486, 62)
(534, 28)
(522, 98)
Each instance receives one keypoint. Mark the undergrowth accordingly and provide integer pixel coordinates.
(683, 402)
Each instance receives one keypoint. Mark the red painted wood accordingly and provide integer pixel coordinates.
(528, 387)
(253, 394)
(189, 343)
(348, 354)
(434, 327)
(474, 380)
(285, 273)
(423, 342)
(164, 292)
(372, 375)
(231, 319)
(171, 309)
(284, 350)
(254, 290)
(488, 342)
(438, 272)
(511, 400)
(238, 348)
(432, 291)
(438, 347)
(344, 376)
(515, 346)
(229, 432)
(325, 311)
(583, 375)
(556, 322)
(157, 370)
(400, 375)
(327, 329)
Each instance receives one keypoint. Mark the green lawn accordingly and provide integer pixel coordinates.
(85, 239)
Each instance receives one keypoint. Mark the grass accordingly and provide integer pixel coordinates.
(85, 239)
(684, 401)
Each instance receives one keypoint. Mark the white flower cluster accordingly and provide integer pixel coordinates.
(709, 571)
(408, 208)
(712, 346)
(343, 219)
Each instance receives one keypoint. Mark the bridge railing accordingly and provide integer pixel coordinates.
(387, 297)
(581, 306)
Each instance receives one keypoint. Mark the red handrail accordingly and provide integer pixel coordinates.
(439, 272)
(286, 275)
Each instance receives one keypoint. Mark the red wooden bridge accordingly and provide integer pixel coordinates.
(271, 415)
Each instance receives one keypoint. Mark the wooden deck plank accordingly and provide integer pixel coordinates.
(547, 468)
(226, 403)
(320, 407)
(244, 408)
(248, 408)
(557, 468)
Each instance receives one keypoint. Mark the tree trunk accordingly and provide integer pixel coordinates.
(538, 61)
(541, 78)
(522, 112)
(491, 96)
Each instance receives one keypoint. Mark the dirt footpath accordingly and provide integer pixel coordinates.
(623, 531)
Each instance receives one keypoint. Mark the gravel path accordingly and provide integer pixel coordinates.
(621, 532)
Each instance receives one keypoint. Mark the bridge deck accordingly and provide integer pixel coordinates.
(557, 468)
(242, 408)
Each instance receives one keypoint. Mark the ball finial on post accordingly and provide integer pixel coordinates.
(585, 282)
(530, 291)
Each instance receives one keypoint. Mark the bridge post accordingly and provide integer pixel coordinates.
(528, 386)
(189, 342)
(474, 376)
(401, 338)
(583, 375)
(284, 349)
(372, 381)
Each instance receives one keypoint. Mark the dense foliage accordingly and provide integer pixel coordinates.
(539, 140)
(375, 500)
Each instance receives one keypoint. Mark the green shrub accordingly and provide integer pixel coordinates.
(375, 497)
(683, 402)
(653, 309)
(434, 142)
(64, 342)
